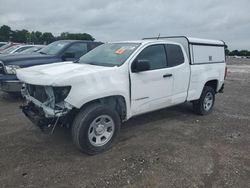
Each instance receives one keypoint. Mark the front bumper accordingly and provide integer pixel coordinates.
(11, 86)
(41, 107)
(37, 116)
(10, 83)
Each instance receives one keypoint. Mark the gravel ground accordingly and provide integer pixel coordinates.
(168, 148)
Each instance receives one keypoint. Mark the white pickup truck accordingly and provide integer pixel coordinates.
(119, 80)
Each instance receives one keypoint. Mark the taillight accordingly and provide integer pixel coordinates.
(225, 75)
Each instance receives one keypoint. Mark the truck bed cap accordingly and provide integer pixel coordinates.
(204, 41)
(190, 40)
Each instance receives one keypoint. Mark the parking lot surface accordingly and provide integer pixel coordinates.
(167, 148)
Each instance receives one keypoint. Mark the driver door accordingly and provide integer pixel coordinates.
(151, 89)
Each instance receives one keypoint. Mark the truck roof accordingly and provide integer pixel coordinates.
(142, 41)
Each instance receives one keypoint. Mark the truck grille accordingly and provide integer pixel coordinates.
(38, 92)
(2, 69)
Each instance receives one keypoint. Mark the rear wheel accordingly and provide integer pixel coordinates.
(205, 104)
(95, 128)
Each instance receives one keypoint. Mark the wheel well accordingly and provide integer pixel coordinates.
(213, 84)
(116, 102)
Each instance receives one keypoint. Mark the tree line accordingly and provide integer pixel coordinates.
(37, 37)
(237, 53)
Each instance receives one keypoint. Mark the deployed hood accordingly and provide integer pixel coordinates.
(18, 59)
(60, 74)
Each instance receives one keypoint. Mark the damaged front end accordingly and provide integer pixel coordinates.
(45, 105)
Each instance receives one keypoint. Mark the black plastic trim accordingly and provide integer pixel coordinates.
(205, 63)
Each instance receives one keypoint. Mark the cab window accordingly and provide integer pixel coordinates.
(174, 55)
(155, 55)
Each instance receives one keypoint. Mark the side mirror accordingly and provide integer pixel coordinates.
(140, 66)
(68, 55)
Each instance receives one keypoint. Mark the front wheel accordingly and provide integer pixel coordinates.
(95, 128)
(204, 105)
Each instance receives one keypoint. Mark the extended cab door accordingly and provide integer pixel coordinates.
(178, 63)
(151, 89)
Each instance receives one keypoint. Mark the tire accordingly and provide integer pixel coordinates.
(204, 106)
(95, 128)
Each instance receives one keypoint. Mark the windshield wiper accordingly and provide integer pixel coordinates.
(76, 61)
(95, 63)
(43, 53)
(101, 64)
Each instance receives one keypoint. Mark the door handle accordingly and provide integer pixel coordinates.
(167, 75)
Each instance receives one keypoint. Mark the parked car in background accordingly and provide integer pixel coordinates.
(120, 80)
(63, 50)
(8, 45)
(16, 49)
(32, 49)
(2, 43)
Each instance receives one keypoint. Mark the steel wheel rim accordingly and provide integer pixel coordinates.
(208, 101)
(101, 130)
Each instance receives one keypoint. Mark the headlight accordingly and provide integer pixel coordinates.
(61, 93)
(11, 69)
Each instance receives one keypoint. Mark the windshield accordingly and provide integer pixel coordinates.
(31, 50)
(2, 44)
(109, 54)
(10, 49)
(54, 48)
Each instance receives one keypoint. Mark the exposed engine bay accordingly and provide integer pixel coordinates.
(45, 105)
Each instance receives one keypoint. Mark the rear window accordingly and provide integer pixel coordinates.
(174, 55)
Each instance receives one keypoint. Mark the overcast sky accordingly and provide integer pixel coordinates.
(111, 20)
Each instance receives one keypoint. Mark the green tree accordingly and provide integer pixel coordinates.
(5, 33)
(244, 53)
(235, 52)
(47, 38)
(20, 36)
(75, 36)
(38, 36)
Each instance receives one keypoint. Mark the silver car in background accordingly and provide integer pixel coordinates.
(16, 49)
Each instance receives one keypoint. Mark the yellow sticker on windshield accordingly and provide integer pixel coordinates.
(120, 51)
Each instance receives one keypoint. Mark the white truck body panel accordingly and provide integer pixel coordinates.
(207, 54)
(150, 91)
(87, 81)
(201, 74)
(144, 91)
